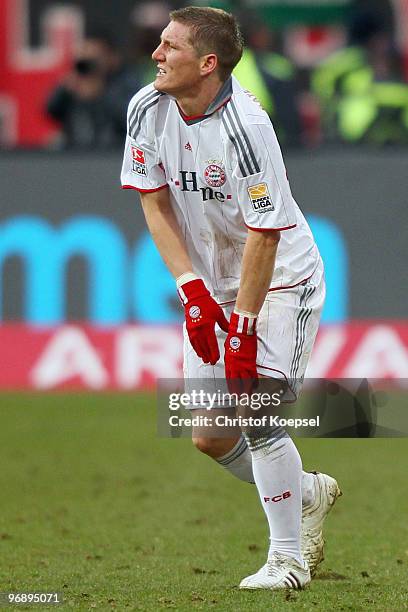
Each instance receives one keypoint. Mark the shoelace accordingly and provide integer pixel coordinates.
(274, 565)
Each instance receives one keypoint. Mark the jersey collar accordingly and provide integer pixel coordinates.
(222, 97)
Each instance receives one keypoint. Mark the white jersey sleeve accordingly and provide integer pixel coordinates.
(142, 169)
(258, 172)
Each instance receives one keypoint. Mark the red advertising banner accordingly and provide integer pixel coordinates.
(127, 358)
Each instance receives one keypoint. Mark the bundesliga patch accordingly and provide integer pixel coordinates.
(260, 198)
(139, 161)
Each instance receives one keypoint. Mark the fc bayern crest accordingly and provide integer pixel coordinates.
(214, 175)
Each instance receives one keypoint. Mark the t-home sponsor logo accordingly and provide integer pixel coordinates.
(189, 182)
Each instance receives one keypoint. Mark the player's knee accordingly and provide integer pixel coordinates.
(205, 445)
(213, 447)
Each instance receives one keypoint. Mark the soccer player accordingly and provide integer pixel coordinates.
(214, 190)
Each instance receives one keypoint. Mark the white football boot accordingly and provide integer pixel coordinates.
(279, 572)
(312, 542)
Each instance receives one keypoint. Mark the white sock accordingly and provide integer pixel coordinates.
(239, 461)
(277, 470)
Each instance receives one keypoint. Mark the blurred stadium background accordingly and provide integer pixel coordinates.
(85, 300)
(87, 305)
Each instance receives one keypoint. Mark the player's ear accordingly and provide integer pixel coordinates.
(209, 63)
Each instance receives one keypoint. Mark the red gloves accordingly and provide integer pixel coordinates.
(240, 353)
(202, 313)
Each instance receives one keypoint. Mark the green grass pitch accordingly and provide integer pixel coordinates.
(94, 505)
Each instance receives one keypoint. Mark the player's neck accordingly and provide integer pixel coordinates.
(195, 103)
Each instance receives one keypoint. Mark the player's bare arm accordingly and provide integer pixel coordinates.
(259, 255)
(201, 310)
(165, 231)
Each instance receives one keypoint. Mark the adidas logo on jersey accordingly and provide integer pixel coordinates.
(188, 147)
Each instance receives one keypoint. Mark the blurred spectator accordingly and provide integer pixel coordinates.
(91, 103)
(361, 89)
(147, 20)
(272, 79)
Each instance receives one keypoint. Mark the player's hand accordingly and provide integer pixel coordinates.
(241, 348)
(202, 313)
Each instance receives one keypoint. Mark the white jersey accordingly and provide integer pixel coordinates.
(225, 174)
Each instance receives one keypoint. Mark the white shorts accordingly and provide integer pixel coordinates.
(286, 328)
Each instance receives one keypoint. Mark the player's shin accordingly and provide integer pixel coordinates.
(277, 470)
(233, 454)
(238, 461)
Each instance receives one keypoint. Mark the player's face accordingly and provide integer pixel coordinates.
(177, 61)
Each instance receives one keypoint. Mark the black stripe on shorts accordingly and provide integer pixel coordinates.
(301, 322)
